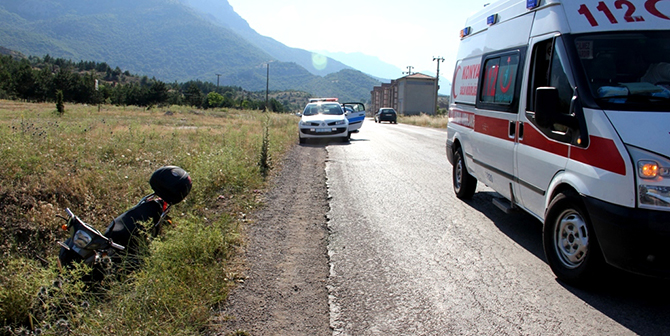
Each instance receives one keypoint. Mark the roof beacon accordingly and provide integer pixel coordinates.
(492, 19)
(466, 31)
(531, 4)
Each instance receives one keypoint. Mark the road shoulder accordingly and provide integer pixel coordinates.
(284, 292)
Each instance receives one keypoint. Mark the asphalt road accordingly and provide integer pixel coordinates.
(408, 258)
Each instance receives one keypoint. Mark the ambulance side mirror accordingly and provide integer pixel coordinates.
(546, 103)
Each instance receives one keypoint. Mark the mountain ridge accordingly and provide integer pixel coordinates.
(222, 13)
(166, 39)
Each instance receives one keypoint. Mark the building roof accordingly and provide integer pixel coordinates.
(418, 75)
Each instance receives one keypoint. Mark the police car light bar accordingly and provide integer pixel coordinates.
(314, 100)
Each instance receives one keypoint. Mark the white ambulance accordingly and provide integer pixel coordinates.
(563, 108)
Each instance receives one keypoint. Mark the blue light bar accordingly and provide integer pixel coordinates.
(492, 19)
(466, 31)
(530, 4)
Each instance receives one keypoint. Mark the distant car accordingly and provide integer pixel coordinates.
(323, 119)
(386, 114)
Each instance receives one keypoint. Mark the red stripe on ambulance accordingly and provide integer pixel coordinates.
(494, 127)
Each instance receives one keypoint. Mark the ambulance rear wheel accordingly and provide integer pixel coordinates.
(570, 244)
(464, 183)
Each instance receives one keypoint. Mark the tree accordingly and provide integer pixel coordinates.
(214, 99)
(5, 75)
(102, 67)
(193, 95)
(44, 84)
(276, 106)
(64, 81)
(158, 93)
(25, 81)
(228, 102)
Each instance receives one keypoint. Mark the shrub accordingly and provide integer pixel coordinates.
(60, 106)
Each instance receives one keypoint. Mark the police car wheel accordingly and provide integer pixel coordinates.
(464, 183)
(570, 244)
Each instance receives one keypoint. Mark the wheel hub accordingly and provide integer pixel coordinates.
(571, 239)
(459, 174)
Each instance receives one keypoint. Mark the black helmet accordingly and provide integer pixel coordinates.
(171, 183)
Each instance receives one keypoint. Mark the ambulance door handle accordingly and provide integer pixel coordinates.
(512, 129)
(520, 131)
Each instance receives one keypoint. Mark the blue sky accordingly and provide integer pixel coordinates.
(400, 32)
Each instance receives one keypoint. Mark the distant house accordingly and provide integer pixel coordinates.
(410, 95)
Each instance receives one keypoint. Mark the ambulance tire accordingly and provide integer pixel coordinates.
(570, 244)
(464, 183)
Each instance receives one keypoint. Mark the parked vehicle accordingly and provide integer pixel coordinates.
(386, 114)
(86, 244)
(563, 108)
(323, 118)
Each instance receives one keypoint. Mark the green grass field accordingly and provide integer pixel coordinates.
(98, 164)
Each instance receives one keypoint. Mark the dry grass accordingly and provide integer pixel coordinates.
(98, 163)
(425, 120)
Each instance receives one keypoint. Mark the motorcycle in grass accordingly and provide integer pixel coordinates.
(170, 184)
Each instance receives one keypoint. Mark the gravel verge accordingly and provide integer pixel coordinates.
(284, 289)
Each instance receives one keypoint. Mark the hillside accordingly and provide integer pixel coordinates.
(221, 13)
(166, 39)
(372, 64)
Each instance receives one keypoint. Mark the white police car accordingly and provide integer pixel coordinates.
(323, 118)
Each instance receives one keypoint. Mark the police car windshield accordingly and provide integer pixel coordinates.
(323, 108)
(627, 71)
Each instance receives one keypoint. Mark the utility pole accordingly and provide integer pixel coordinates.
(437, 80)
(409, 70)
(217, 80)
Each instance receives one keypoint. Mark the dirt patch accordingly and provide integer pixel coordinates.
(284, 289)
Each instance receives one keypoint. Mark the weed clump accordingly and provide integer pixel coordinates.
(60, 106)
